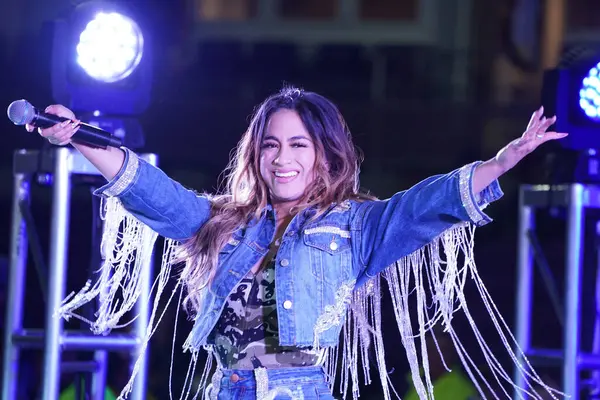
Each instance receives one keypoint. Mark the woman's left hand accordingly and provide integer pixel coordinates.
(535, 134)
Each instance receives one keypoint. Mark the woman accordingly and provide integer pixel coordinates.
(274, 264)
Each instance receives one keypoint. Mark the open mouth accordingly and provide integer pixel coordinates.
(285, 176)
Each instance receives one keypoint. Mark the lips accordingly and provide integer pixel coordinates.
(284, 176)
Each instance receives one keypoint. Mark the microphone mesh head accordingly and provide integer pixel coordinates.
(20, 112)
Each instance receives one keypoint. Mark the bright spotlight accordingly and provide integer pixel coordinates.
(589, 94)
(102, 59)
(572, 92)
(110, 47)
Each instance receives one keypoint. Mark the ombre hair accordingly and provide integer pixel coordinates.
(245, 194)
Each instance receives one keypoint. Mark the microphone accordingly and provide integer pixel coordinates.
(21, 112)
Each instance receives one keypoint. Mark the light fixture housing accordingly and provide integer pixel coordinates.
(571, 91)
(102, 60)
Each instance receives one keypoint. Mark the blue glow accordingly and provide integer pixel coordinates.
(110, 47)
(589, 94)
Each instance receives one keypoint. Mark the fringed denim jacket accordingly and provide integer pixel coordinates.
(328, 268)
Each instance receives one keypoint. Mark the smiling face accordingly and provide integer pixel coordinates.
(287, 158)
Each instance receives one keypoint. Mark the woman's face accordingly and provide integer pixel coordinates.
(287, 157)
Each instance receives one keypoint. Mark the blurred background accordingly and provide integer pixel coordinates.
(425, 85)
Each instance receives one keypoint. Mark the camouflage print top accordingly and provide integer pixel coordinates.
(246, 335)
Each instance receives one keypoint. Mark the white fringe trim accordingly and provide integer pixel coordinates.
(438, 284)
(127, 251)
(436, 281)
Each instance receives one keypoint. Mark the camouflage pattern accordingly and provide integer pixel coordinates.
(246, 335)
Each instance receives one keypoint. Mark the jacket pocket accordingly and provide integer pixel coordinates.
(329, 252)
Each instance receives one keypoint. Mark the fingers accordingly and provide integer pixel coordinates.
(546, 123)
(62, 129)
(535, 117)
(60, 110)
(59, 143)
(553, 136)
(60, 134)
(538, 124)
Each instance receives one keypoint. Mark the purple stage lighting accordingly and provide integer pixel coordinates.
(589, 94)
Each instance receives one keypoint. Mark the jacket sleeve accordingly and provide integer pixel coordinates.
(391, 229)
(156, 200)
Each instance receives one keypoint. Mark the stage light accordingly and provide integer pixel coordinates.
(110, 47)
(572, 92)
(102, 60)
(589, 95)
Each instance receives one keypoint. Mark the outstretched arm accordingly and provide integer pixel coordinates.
(158, 201)
(144, 190)
(108, 162)
(393, 228)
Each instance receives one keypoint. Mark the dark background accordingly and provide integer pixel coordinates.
(454, 92)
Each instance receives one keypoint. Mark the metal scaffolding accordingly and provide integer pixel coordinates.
(575, 199)
(61, 164)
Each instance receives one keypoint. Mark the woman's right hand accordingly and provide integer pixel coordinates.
(59, 134)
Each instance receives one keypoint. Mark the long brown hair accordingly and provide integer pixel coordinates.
(246, 195)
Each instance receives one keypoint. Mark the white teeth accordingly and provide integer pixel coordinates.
(286, 174)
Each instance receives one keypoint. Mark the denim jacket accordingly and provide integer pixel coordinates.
(318, 259)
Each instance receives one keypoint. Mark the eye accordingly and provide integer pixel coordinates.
(299, 144)
(268, 145)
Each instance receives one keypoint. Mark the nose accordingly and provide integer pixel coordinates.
(283, 157)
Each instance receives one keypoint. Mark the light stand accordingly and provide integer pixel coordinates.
(61, 164)
(574, 199)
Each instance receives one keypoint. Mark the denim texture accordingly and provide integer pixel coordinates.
(307, 383)
(347, 245)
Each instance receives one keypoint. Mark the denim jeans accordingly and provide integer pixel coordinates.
(302, 383)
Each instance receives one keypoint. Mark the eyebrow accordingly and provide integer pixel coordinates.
(271, 137)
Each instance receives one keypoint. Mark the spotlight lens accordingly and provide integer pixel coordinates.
(110, 47)
(589, 94)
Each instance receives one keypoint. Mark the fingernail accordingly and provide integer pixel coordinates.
(65, 123)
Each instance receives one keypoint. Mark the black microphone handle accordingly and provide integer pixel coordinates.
(87, 134)
(41, 121)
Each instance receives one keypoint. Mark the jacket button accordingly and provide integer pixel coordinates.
(333, 246)
(285, 262)
(287, 304)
